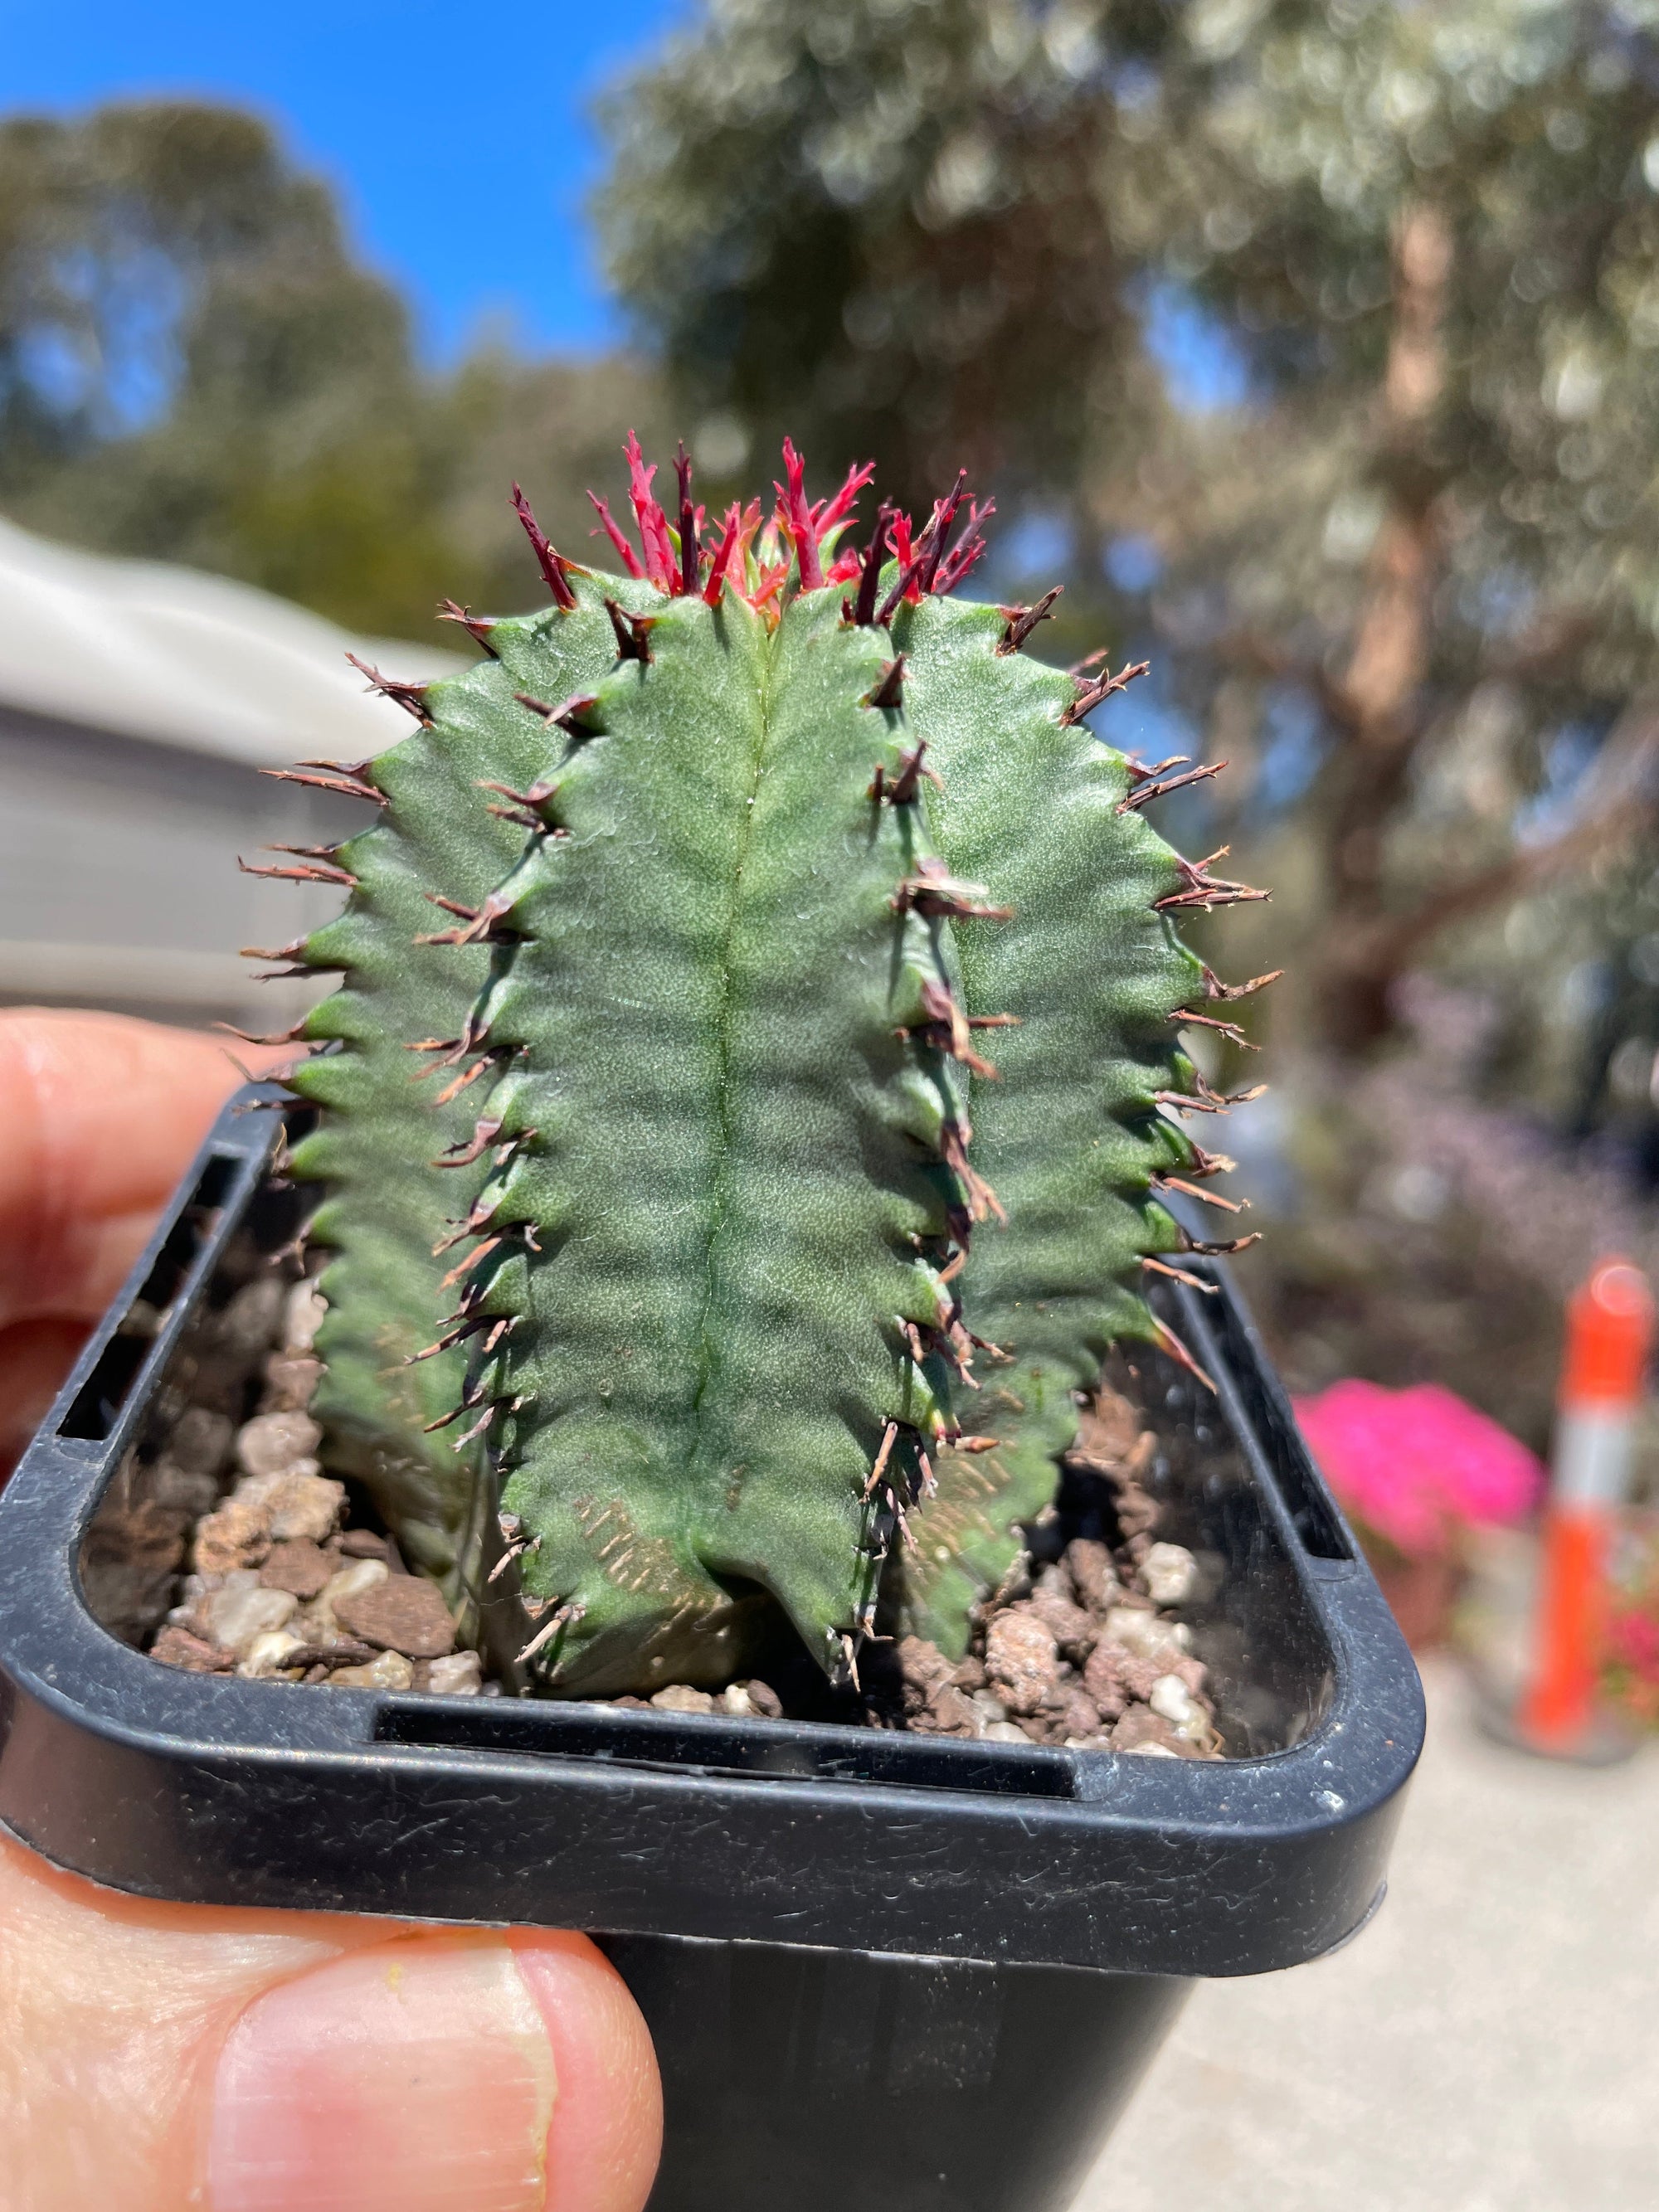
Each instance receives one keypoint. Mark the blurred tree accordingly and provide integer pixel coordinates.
(1618, 1073)
(190, 365)
(1419, 563)
(193, 367)
(558, 426)
(883, 226)
(1436, 233)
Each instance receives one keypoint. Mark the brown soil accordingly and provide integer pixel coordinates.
(285, 1581)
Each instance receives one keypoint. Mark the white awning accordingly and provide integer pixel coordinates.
(145, 650)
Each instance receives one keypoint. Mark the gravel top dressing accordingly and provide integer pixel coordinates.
(258, 1563)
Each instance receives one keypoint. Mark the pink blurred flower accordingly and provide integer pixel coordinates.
(1633, 1642)
(1416, 1465)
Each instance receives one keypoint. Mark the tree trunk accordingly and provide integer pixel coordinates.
(1377, 702)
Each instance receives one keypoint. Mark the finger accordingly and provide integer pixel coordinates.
(111, 2012)
(99, 1117)
(156, 2055)
(607, 2123)
(34, 1358)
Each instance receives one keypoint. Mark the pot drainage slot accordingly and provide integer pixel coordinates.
(754, 1750)
(98, 1402)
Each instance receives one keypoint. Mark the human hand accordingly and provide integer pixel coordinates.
(99, 1118)
(159, 2057)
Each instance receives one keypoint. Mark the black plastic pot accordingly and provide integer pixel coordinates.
(911, 1972)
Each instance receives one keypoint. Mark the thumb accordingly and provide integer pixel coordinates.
(154, 2058)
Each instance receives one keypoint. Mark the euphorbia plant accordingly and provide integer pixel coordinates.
(792, 984)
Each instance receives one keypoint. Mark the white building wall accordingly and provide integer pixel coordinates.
(137, 705)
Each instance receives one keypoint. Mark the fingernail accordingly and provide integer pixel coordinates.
(413, 2077)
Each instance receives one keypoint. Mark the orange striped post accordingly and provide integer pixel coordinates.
(1610, 1321)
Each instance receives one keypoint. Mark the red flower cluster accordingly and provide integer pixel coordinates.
(757, 554)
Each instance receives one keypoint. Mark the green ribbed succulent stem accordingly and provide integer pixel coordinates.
(734, 1174)
(1069, 1133)
(755, 1292)
(387, 1203)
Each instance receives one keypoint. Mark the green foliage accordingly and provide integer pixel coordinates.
(382, 1142)
(195, 367)
(190, 362)
(152, 241)
(1529, 131)
(884, 224)
(1426, 537)
(924, 228)
(739, 1232)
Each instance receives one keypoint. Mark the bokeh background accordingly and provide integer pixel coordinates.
(1313, 345)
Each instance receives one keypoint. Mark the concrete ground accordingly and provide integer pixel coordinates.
(1490, 2043)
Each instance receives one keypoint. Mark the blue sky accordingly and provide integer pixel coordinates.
(456, 137)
